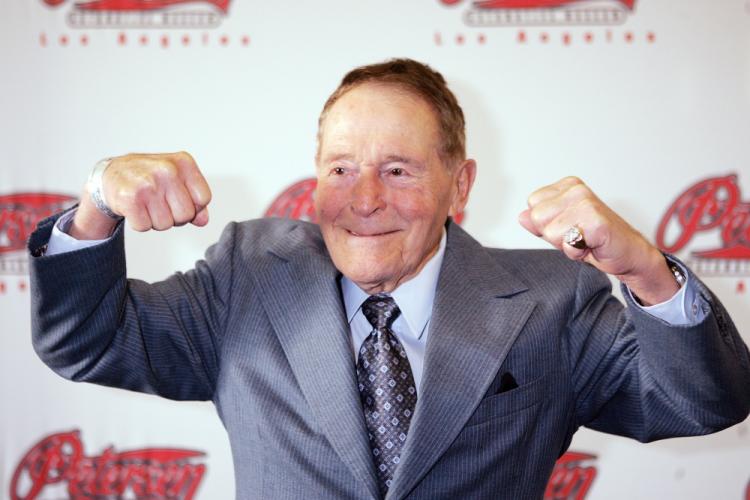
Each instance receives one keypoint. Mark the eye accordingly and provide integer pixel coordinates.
(338, 171)
(397, 172)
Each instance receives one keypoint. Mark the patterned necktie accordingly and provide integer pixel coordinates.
(386, 386)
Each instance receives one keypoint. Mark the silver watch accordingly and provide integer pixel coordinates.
(679, 276)
(96, 191)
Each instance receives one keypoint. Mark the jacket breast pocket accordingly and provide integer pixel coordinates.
(505, 403)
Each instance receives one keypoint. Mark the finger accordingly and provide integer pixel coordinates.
(198, 188)
(180, 204)
(524, 218)
(195, 183)
(590, 222)
(552, 190)
(131, 205)
(555, 233)
(139, 219)
(544, 212)
(158, 211)
(574, 253)
(201, 218)
(547, 210)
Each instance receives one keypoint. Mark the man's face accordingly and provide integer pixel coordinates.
(383, 192)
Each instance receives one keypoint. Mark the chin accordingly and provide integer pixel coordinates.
(363, 275)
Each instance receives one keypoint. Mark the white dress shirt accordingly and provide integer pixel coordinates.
(415, 299)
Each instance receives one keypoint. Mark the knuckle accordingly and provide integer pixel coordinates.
(126, 198)
(534, 197)
(144, 192)
(183, 216)
(579, 191)
(164, 169)
(184, 156)
(537, 217)
(166, 177)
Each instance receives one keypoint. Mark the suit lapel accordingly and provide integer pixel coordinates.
(475, 320)
(304, 305)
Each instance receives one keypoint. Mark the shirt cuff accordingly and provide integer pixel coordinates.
(684, 308)
(61, 242)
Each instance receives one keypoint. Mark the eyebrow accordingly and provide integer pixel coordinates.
(337, 156)
(388, 159)
(399, 159)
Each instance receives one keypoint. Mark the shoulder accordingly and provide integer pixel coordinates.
(548, 270)
(533, 267)
(272, 229)
(275, 235)
(534, 263)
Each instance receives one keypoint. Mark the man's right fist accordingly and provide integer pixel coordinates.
(152, 191)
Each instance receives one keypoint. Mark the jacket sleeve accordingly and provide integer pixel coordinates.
(638, 376)
(92, 324)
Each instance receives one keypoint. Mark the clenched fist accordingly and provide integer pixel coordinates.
(152, 191)
(612, 245)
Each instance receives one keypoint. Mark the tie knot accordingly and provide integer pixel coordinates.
(380, 310)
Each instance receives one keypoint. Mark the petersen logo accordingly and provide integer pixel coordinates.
(58, 461)
(487, 13)
(710, 215)
(572, 477)
(19, 215)
(184, 14)
(298, 202)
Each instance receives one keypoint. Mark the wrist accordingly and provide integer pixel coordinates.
(655, 282)
(89, 223)
(95, 188)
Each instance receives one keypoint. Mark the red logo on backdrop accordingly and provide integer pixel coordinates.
(711, 212)
(145, 13)
(572, 477)
(485, 13)
(298, 202)
(150, 473)
(19, 215)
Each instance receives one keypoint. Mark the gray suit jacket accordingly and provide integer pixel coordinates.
(258, 327)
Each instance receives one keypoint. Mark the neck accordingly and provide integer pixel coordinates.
(388, 286)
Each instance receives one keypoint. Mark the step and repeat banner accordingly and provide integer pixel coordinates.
(648, 101)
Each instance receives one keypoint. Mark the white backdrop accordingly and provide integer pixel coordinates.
(642, 99)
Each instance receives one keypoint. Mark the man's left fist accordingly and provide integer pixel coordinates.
(612, 245)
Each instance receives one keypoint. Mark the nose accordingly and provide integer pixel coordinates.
(368, 194)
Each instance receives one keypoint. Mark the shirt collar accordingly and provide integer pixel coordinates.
(414, 297)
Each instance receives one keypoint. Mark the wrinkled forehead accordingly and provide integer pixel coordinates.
(376, 94)
(379, 114)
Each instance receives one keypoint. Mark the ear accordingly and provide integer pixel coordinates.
(463, 180)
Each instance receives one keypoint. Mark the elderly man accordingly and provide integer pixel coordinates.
(384, 352)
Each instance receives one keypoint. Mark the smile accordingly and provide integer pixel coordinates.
(369, 235)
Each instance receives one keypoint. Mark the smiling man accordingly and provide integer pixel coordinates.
(384, 191)
(384, 352)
